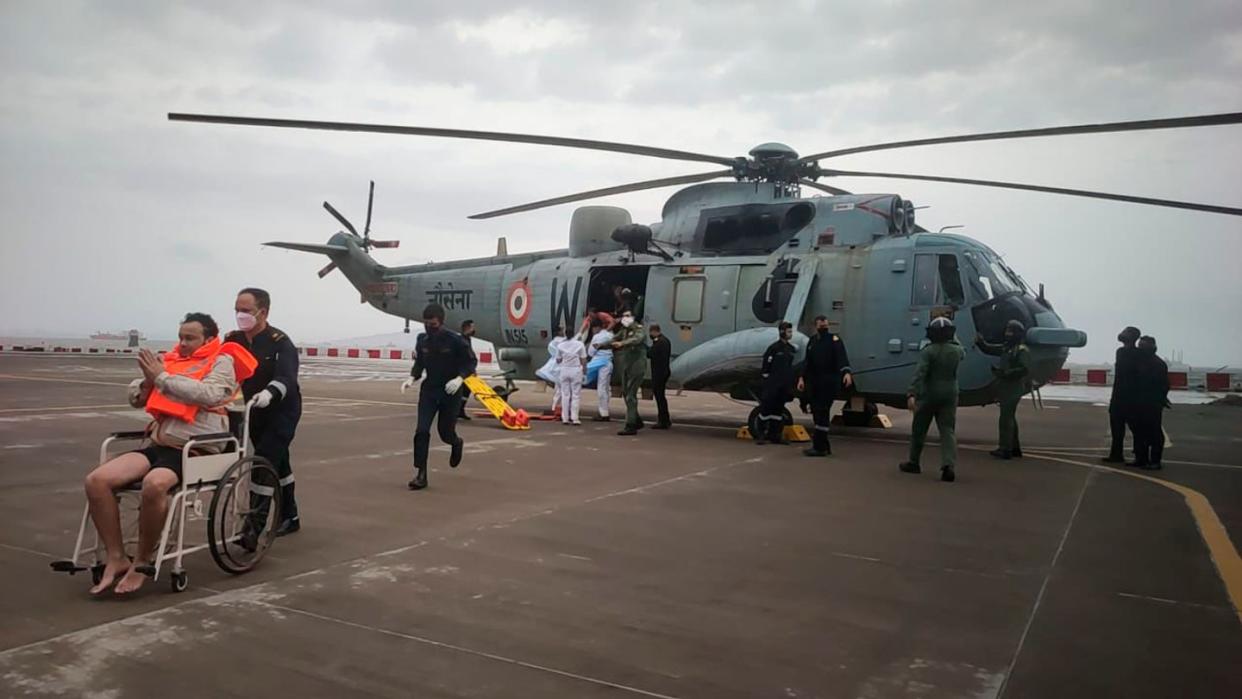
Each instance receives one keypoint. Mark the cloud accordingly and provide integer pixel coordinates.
(137, 204)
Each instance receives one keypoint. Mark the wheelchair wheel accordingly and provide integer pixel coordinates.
(244, 514)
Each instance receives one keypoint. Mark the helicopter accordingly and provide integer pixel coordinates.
(729, 260)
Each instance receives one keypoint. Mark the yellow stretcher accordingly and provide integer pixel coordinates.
(501, 410)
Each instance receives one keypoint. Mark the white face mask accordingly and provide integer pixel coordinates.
(627, 321)
(246, 322)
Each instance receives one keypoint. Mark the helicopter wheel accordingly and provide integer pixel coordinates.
(752, 421)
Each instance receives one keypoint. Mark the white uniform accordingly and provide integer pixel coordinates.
(550, 371)
(603, 384)
(569, 356)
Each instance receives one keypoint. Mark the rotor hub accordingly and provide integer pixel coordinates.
(774, 162)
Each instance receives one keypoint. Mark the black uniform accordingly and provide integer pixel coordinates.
(660, 354)
(443, 355)
(822, 371)
(778, 389)
(272, 428)
(1122, 407)
(1152, 393)
(464, 393)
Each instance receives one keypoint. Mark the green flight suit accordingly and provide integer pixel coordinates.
(1012, 382)
(630, 358)
(934, 389)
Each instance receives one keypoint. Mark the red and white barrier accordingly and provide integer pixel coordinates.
(485, 357)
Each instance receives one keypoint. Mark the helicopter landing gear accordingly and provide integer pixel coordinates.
(860, 412)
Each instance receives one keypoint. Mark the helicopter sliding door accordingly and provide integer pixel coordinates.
(692, 303)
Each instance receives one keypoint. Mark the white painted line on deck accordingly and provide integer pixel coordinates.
(469, 651)
(1180, 603)
(64, 407)
(23, 549)
(1043, 588)
(41, 378)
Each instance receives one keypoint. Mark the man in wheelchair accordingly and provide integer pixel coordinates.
(185, 393)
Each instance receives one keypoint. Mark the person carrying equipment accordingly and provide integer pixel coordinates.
(600, 353)
(933, 394)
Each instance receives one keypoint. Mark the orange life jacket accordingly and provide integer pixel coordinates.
(197, 366)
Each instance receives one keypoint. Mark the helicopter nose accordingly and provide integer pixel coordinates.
(1056, 337)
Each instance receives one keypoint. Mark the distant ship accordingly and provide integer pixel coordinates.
(119, 336)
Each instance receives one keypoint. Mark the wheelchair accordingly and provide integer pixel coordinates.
(234, 491)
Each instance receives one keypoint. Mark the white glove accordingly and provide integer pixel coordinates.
(407, 384)
(453, 385)
(263, 398)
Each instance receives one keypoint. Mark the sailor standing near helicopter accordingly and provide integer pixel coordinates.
(1012, 382)
(826, 369)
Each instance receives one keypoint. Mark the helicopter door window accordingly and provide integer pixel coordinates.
(925, 286)
(950, 281)
(688, 300)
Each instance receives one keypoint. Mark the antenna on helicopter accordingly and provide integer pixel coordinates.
(945, 228)
(365, 239)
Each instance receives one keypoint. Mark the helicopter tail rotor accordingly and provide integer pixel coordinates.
(364, 240)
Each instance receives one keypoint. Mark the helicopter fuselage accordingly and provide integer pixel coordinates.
(729, 261)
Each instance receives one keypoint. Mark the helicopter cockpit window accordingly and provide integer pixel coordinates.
(951, 281)
(924, 281)
(937, 281)
(989, 278)
(1002, 283)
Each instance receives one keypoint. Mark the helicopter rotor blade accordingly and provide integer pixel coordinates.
(619, 189)
(1050, 190)
(366, 230)
(385, 243)
(822, 187)
(327, 270)
(1143, 125)
(344, 221)
(589, 144)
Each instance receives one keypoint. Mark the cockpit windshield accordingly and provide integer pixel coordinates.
(992, 278)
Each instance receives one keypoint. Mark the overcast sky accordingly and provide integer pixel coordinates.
(114, 217)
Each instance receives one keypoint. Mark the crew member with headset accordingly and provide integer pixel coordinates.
(826, 368)
(778, 386)
(1012, 382)
(446, 359)
(277, 400)
(933, 394)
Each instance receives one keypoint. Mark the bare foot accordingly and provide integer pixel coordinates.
(132, 581)
(111, 573)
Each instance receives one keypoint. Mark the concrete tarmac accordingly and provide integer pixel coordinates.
(568, 561)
